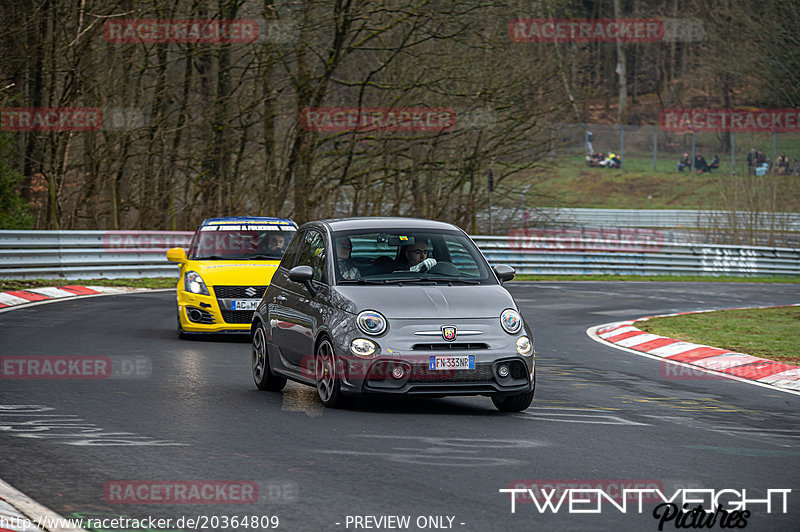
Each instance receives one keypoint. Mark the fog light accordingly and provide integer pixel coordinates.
(503, 371)
(361, 347)
(398, 372)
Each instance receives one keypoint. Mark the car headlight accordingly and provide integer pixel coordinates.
(511, 321)
(362, 347)
(524, 346)
(371, 322)
(194, 283)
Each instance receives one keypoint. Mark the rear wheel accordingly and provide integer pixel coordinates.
(327, 377)
(262, 375)
(513, 403)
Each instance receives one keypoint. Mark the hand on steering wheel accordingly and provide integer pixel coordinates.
(427, 264)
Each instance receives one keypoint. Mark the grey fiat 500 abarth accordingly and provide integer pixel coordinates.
(402, 306)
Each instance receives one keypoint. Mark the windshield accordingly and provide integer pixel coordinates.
(239, 243)
(409, 256)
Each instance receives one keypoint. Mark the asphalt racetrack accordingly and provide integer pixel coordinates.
(178, 416)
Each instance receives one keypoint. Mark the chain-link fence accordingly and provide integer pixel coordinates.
(648, 148)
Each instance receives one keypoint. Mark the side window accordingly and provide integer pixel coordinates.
(462, 258)
(312, 253)
(289, 258)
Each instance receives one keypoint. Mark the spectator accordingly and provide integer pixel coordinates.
(761, 158)
(761, 170)
(782, 164)
(752, 161)
(684, 162)
(700, 164)
(714, 163)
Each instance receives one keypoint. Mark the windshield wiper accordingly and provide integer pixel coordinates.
(212, 257)
(455, 280)
(362, 281)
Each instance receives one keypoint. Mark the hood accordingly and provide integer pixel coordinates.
(429, 301)
(234, 272)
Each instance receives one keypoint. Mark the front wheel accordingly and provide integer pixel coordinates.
(262, 375)
(327, 377)
(513, 403)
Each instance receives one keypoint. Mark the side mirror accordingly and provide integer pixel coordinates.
(303, 275)
(504, 272)
(176, 255)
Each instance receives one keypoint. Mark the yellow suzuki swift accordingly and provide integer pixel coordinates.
(226, 270)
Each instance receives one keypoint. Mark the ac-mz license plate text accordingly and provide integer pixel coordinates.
(244, 304)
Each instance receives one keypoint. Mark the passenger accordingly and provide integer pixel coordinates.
(345, 265)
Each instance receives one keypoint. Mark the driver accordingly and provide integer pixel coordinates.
(276, 244)
(417, 256)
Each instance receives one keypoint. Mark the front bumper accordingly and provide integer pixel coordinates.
(380, 376)
(199, 313)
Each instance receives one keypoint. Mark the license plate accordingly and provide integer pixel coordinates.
(456, 362)
(244, 304)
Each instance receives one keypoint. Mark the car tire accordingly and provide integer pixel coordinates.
(262, 374)
(513, 403)
(327, 377)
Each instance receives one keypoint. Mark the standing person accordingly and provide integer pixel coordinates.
(751, 161)
(782, 164)
(345, 267)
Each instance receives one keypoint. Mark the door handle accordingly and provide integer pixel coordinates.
(281, 298)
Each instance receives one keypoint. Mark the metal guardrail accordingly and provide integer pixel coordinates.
(667, 218)
(123, 254)
(88, 254)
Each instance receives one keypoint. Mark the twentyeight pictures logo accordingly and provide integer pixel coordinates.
(180, 31)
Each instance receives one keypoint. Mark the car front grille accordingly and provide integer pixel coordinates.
(450, 347)
(241, 292)
(237, 316)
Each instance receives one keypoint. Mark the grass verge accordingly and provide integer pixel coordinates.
(767, 333)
